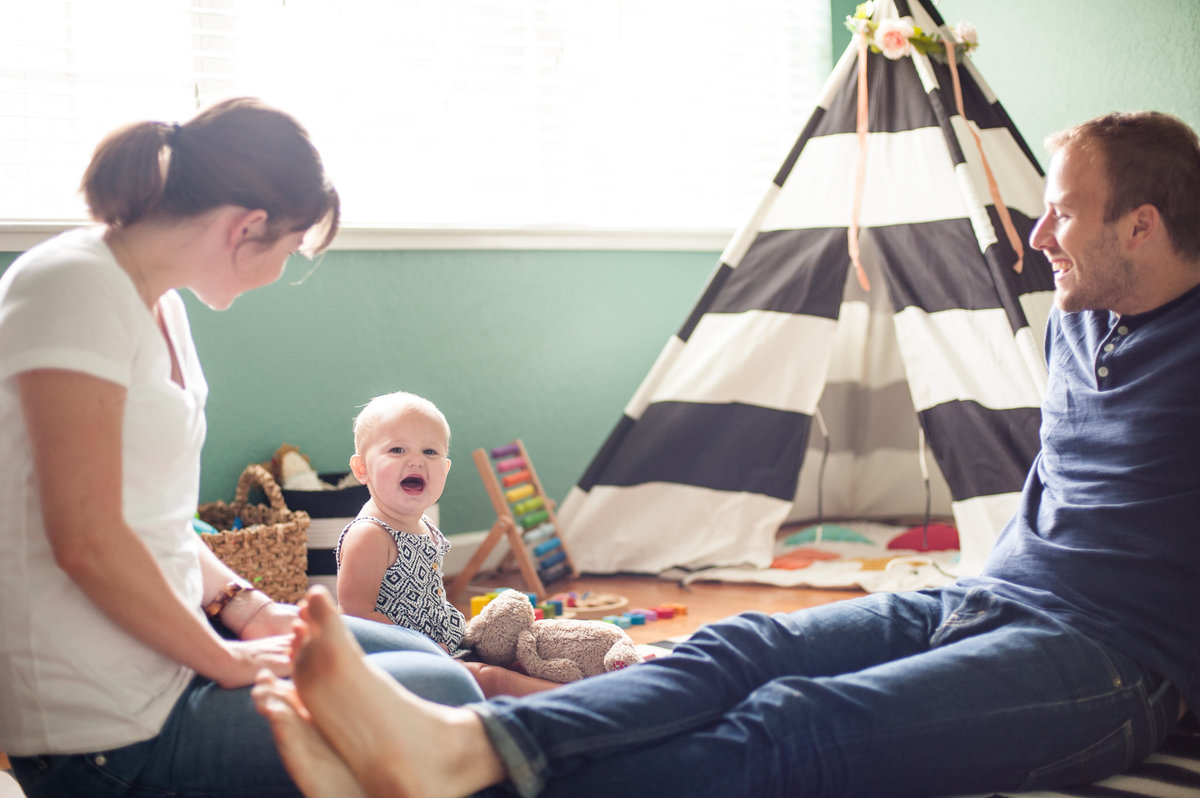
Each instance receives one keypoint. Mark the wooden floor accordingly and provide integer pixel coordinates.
(705, 601)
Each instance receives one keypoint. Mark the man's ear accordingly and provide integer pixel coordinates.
(1145, 222)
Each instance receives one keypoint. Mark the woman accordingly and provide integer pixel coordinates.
(112, 679)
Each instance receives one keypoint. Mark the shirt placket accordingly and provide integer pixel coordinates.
(1106, 354)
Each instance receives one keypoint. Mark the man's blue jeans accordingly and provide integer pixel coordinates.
(215, 744)
(936, 692)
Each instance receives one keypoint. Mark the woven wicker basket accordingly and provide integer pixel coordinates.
(270, 550)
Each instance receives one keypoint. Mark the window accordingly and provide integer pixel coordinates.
(589, 114)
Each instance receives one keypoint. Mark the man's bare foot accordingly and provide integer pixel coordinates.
(495, 680)
(395, 743)
(315, 767)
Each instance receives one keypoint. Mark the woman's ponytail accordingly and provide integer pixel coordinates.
(124, 182)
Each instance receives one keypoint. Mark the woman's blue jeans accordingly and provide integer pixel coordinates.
(214, 743)
(929, 693)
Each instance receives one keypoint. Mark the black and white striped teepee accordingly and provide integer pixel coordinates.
(943, 354)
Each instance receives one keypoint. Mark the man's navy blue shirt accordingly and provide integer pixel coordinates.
(1107, 536)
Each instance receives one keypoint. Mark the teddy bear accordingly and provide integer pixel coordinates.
(556, 649)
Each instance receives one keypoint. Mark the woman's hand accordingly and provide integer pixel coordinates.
(248, 657)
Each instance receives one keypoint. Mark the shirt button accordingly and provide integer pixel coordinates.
(1122, 330)
(1109, 347)
(101, 760)
(1102, 371)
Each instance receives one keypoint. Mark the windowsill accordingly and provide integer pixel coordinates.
(20, 237)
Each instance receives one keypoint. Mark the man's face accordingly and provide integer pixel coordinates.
(1091, 272)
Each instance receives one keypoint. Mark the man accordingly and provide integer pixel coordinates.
(1067, 660)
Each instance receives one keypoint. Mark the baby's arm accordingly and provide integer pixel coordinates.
(367, 551)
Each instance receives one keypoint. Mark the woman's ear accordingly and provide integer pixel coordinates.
(248, 225)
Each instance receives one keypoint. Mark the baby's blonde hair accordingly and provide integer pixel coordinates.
(389, 405)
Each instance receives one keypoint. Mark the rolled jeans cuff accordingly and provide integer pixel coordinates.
(522, 758)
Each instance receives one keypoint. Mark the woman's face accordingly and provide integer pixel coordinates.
(260, 264)
(253, 264)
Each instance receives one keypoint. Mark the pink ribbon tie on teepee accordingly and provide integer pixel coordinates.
(860, 173)
(1010, 229)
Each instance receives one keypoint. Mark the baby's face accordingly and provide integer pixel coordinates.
(406, 463)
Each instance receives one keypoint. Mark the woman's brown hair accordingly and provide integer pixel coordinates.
(237, 152)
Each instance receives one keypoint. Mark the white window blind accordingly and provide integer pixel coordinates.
(630, 114)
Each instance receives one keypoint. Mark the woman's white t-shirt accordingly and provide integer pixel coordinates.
(71, 681)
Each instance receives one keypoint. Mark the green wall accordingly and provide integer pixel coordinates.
(1054, 64)
(549, 346)
(543, 346)
(539, 345)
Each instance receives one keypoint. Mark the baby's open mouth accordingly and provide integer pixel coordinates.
(413, 484)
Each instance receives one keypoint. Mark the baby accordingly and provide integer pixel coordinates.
(390, 557)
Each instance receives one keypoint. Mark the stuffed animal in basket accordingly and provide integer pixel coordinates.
(293, 470)
(557, 649)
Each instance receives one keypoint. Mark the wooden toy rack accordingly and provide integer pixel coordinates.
(524, 516)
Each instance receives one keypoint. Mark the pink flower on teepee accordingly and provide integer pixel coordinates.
(892, 37)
